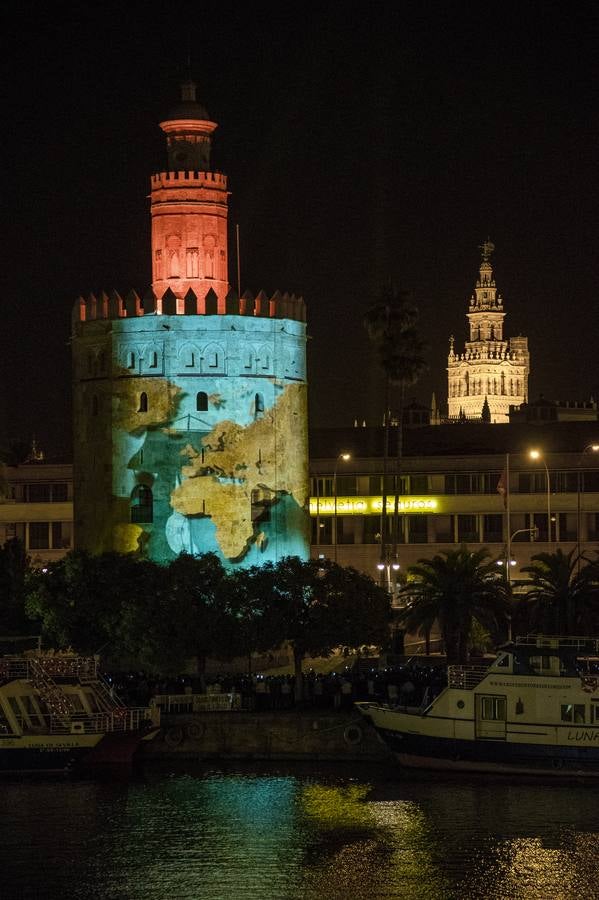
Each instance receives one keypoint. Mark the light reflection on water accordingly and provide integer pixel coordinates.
(297, 834)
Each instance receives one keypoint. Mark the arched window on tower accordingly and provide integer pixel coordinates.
(202, 401)
(143, 402)
(142, 504)
(258, 406)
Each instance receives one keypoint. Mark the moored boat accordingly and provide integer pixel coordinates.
(58, 714)
(533, 710)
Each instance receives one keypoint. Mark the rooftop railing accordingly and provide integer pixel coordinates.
(465, 678)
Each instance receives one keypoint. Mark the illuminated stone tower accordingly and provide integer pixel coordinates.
(190, 405)
(490, 368)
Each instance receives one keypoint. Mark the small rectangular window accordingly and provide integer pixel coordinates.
(38, 493)
(467, 529)
(59, 492)
(419, 484)
(39, 535)
(57, 535)
(493, 709)
(573, 712)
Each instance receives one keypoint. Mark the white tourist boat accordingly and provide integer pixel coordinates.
(533, 710)
(57, 713)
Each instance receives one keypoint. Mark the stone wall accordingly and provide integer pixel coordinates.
(305, 735)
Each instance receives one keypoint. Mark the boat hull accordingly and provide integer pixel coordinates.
(449, 754)
(90, 753)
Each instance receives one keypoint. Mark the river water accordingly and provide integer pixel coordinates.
(297, 832)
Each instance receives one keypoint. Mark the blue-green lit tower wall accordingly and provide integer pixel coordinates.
(190, 404)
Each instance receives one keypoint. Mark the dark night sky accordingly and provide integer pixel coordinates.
(363, 141)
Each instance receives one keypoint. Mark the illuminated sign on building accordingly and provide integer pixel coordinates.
(364, 506)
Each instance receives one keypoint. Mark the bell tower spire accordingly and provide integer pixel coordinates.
(490, 366)
(188, 205)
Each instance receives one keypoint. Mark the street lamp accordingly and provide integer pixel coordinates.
(590, 448)
(387, 567)
(536, 455)
(508, 561)
(344, 457)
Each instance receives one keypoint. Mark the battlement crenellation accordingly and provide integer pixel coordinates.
(114, 306)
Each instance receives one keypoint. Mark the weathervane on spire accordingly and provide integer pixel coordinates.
(486, 249)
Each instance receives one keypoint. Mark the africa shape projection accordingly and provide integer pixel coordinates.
(190, 405)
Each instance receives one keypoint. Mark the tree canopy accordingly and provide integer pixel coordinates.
(563, 597)
(192, 608)
(456, 589)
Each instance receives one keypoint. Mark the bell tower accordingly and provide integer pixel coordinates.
(490, 368)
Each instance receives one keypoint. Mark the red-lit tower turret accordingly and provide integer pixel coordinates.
(189, 209)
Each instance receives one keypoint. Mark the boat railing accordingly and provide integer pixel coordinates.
(120, 720)
(196, 703)
(465, 677)
(554, 641)
(56, 666)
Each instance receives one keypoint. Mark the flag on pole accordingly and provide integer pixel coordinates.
(502, 487)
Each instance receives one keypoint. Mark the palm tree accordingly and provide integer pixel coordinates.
(456, 589)
(562, 600)
(391, 324)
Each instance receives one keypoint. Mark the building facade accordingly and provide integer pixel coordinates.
(36, 506)
(491, 373)
(190, 404)
(465, 483)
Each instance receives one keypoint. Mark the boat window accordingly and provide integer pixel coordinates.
(540, 664)
(4, 726)
(503, 661)
(91, 699)
(493, 709)
(595, 712)
(573, 712)
(31, 710)
(16, 708)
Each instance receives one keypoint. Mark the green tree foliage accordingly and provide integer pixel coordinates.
(392, 327)
(185, 616)
(165, 616)
(15, 579)
(256, 621)
(563, 598)
(455, 589)
(79, 600)
(320, 606)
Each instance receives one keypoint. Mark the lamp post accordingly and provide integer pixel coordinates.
(507, 561)
(344, 457)
(536, 455)
(386, 567)
(590, 448)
